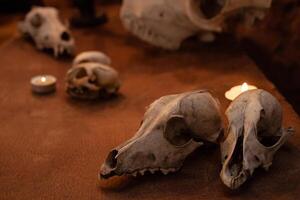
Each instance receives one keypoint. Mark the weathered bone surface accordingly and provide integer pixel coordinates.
(92, 56)
(43, 25)
(166, 23)
(89, 78)
(172, 128)
(255, 134)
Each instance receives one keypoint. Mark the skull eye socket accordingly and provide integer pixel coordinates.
(65, 36)
(208, 8)
(177, 131)
(262, 134)
(36, 21)
(265, 139)
(81, 73)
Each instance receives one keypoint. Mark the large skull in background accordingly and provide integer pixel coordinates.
(43, 25)
(172, 128)
(166, 23)
(90, 76)
(255, 134)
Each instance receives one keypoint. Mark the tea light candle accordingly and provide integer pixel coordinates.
(43, 84)
(237, 90)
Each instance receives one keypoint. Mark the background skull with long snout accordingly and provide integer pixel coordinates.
(166, 23)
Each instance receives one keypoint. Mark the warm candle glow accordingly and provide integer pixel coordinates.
(237, 90)
(244, 87)
(43, 84)
(43, 79)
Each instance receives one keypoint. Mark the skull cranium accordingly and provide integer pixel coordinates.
(92, 56)
(166, 23)
(90, 78)
(172, 128)
(43, 25)
(255, 134)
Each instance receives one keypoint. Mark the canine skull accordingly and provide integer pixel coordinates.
(166, 23)
(255, 134)
(43, 25)
(172, 128)
(90, 78)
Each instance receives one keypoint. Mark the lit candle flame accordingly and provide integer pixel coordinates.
(43, 79)
(244, 87)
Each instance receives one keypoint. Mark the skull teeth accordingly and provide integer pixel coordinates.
(152, 171)
(135, 173)
(164, 171)
(142, 172)
(150, 35)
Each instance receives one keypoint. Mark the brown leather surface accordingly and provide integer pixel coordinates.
(51, 147)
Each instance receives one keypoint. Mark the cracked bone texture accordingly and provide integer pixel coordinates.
(166, 23)
(255, 134)
(89, 78)
(172, 128)
(43, 25)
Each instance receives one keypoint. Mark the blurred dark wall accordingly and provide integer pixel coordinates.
(274, 44)
(10, 6)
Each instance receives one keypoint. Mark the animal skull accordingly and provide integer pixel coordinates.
(172, 128)
(90, 78)
(166, 23)
(43, 25)
(255, 119)
(92, 56)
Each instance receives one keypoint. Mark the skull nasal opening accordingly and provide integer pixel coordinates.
(65, 36)
(111, 160)
(210, 8)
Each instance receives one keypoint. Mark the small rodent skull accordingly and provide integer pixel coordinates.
(166, 23)
(43, 25)
(172, 128)
(255, 134)
(90, 78)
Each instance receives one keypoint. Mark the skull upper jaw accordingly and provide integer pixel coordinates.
(82, 92)
(136, 157)
(120, 169)
(244, 153)
(233, 173)
(170, 37)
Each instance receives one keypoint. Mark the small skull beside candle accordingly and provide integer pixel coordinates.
(91, 77)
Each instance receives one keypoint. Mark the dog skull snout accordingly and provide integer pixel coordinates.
(172, 128)
(109, 165)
